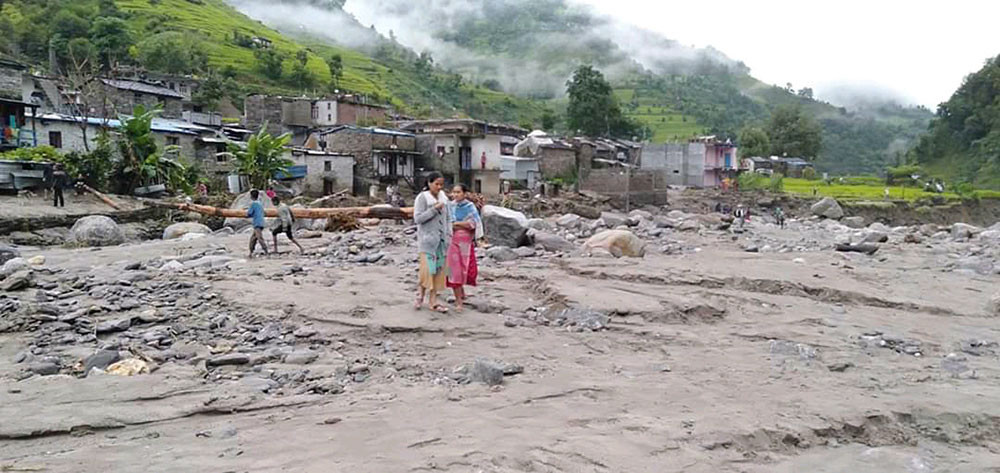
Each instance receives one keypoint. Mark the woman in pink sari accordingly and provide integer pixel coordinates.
(467, 228)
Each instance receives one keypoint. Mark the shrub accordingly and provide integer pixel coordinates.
(810, 174)
(776, 183)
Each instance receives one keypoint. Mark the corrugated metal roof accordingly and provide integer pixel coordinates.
(142, 87)
(373, 130)
(163, 125)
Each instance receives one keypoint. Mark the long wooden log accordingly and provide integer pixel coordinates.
(378, 211)
(99, 195)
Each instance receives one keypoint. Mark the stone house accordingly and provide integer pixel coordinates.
(556, 157)
(318, 173)
(466, 151)
(124, 95)
(382, 156)
(15, 130)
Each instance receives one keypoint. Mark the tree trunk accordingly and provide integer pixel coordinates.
(380, 211)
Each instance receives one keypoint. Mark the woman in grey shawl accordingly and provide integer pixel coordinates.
(430, 212)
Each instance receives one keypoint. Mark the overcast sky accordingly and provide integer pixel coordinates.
(918, 51)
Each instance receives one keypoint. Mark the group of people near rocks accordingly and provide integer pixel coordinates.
(448, 227)
(447, 231)
(282, 224)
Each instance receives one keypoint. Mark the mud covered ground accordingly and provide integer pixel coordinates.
(712, 359)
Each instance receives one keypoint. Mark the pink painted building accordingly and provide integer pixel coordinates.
(721, 160)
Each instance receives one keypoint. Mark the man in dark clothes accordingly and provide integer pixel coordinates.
(59, 179)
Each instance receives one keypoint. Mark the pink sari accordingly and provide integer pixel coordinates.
(461, 258)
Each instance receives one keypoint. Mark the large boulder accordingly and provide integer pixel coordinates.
(612, 219)
(964, 231)
(505, 227)
(586, 211)
(854, 222)
(827, 208)
(8, 253)
(96, 230)
(617, 242)
(243, 202)
(502, 254)
(180, 229)
(553, 243)
(568, 220)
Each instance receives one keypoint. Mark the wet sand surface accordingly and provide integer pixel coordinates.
(713, 359)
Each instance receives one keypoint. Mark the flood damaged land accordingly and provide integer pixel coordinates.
(722, 349)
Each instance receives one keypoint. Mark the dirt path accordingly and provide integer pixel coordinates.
(715, 360)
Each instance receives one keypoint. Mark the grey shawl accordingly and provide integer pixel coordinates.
(433, 225)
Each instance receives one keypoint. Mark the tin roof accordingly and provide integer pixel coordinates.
(141, 87)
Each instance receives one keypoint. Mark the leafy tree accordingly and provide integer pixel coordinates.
(493, 85)
(753, 141)
(424, 63)
(336, 66)
(69, 25)
(268, 63)
(262, 157)
(141, 161)
(171, 52)
(301, 76)
(112, 39)
(806, 92)
(81, 51)
(966, 131)
(548, 120)
(793, 133)
(593, 109)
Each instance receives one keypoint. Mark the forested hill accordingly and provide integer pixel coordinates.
(529, 48)
(963, 141)
(213, 41)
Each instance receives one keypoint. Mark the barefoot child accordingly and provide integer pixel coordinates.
(467, 227)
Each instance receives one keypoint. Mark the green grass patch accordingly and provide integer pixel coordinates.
(856, 189)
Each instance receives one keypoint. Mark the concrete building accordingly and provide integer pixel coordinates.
(700, 163)
(382, 156)
(298, 115)
(16, 130)
(464, 150)
(525, 171)
(319, 173)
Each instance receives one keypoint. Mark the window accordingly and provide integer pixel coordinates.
(173, 141)
(440, 150)
(329, 117)
(327, 166)
(55, 139)
(221, 158)
(478, 186)
(328, 105)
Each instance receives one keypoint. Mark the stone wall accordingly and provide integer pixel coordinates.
(11, 83)
(645, 187)
(341, 172)
(557, 162)
(125, 101)
(359, 114)
(258, 109)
